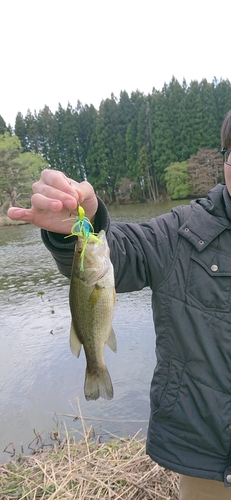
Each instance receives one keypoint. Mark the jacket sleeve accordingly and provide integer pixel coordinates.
(142, 254)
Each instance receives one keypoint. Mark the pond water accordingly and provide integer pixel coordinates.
(41, 382)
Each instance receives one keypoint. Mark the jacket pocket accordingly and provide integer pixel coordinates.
(202, 417)
(170, 393)
(209, 279)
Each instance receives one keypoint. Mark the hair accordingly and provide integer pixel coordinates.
(226, 132)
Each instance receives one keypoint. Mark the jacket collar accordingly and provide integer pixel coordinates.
(207, 220)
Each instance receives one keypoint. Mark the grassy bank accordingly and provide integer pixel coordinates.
(87, 469)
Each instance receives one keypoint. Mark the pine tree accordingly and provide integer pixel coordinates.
(31, 125)
(68, 142)
(108, 162)
(135, 134)
(86, 122)
(3, 127)
(176, 96)
(47, 129)
(20, 131)
(194, 120)
(222, 92)
(162, 139)
(132, 149)
(210, 126)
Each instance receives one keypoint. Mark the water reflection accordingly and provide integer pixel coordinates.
(39, 377)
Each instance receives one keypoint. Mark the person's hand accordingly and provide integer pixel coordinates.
(55, 198)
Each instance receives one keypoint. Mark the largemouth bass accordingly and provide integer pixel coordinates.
(92, 300)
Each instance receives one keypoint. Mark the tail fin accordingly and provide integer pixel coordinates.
(98, 385)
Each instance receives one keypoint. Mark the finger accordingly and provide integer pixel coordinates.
(41, 202)
(50, 197)
(87, 198)
(15, 213)
(24, 214)
(59, 181)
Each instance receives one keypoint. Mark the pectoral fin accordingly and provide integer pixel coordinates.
(111, 341)
(75, 344)
(94, 297)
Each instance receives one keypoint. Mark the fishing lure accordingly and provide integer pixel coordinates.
(82, 228)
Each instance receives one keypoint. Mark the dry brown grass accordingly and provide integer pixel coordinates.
(87, 469)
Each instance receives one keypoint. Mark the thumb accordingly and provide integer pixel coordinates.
(87, 198)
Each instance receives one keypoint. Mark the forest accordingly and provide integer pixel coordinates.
(132, 149)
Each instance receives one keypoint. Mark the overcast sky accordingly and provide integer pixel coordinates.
(58, 51)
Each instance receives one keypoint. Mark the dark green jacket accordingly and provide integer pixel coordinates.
(185, 258)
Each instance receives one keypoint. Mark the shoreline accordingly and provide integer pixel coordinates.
(118, 469)
(7, 222)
